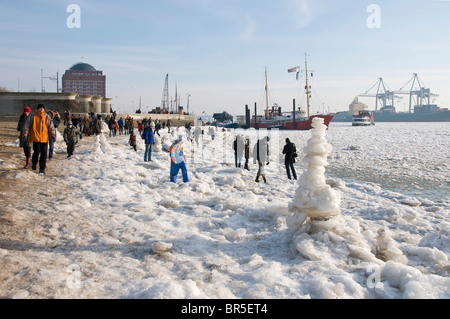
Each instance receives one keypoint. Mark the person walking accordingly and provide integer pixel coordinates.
(212, 132)
(98, 125)
(51, 143)
(238, 146)
(80, 125)
(261, 155)
(22, 142)
(70, 133)
(149, 137)
(133, 142)
(39, 129)
(178, 161)
(131, 126)
(127, 125)
(86, 125)
(112, 126)
(291, 153)
(197, 133)
(247, 153)
(121, 124)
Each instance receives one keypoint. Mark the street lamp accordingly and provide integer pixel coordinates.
(52, 78)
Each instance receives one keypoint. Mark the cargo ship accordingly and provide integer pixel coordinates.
(441, 116)
(421, 107)
(422, 113)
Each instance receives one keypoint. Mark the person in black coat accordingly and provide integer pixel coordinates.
(51, 143)
(261, 155)
(239, 148)
(291, 153)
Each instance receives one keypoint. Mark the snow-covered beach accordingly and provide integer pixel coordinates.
(114, 227)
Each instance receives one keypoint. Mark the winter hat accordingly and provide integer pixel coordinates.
(40, 105)
(180, 138)
(27, 109)
(152, 124)
(69, 123)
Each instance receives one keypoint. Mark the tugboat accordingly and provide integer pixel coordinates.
(224, 120)
(364, 118)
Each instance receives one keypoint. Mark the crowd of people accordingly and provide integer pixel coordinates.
(38, 131)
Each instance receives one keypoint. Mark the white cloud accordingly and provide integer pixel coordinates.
(249, 30)
(306, 11)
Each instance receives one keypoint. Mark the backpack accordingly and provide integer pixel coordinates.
(143, 134)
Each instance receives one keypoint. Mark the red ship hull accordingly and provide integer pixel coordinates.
(302, 125)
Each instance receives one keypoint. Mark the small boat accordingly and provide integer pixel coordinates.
(224, 120)
(364, 118)
(296, 120)
(227, 124)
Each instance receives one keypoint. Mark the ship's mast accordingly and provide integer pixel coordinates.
(176, 98)
(267, 96)
(308, 92)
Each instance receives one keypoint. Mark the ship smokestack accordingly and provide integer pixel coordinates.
(294, 115)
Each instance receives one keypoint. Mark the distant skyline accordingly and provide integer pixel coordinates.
(217, 50)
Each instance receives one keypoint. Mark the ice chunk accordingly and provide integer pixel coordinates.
(387, 247)
(161, 248)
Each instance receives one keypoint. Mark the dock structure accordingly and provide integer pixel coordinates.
(420, 97)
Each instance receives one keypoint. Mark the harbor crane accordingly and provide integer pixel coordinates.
(165, 97)
(383, 95)
(418, 91)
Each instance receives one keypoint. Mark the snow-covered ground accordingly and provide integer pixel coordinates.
(121, 230)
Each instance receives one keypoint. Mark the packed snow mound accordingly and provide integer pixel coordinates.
(314, 196)
(387, 247)
(439, 239)
(411, 283)
(336, 241)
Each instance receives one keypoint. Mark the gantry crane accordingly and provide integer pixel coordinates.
(383, 94)
(419, 91)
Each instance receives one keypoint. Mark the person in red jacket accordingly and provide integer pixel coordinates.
(39, 129)
(22, 143)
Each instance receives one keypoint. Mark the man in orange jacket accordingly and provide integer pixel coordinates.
(39, 129)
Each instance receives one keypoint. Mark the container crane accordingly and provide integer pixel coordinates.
(382, 95)
(418, 91)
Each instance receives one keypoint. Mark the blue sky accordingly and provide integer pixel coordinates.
(217, 50)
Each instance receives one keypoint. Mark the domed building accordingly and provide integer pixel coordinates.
(84, 79)
(82, 67)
